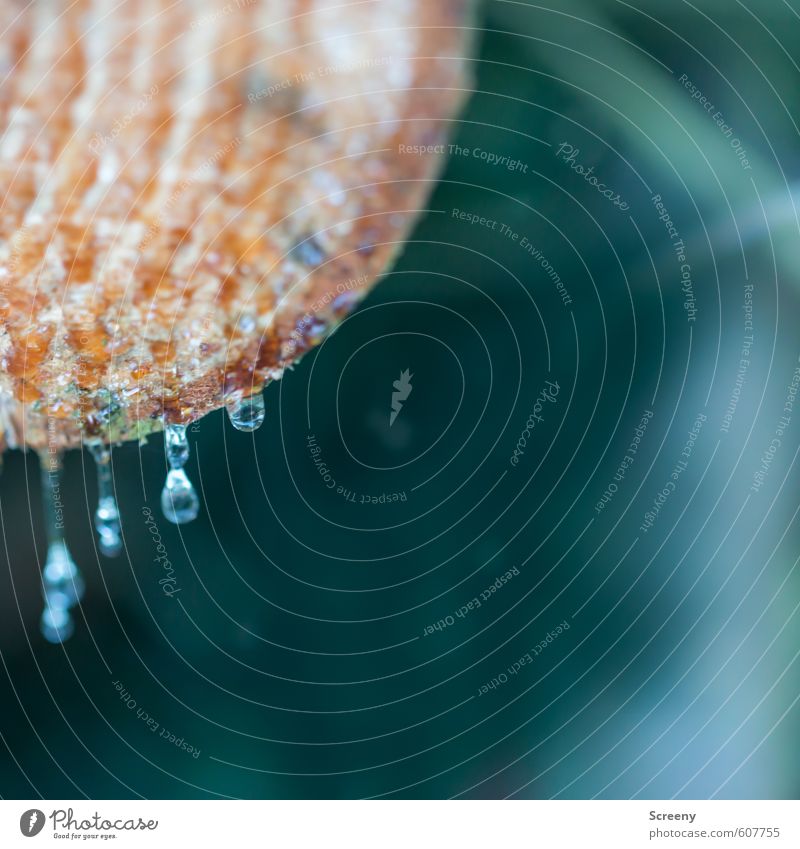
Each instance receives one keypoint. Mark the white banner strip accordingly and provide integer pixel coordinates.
(389, 824)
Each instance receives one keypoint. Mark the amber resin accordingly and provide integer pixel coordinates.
(194, 192)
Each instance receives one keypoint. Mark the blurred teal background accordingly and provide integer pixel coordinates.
(299, 656)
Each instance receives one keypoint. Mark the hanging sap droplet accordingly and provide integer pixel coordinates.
(179, 501)
(106, 517)
(56, 624)
(248, 414)
(176, 445)
(106, 520)
(62, 582)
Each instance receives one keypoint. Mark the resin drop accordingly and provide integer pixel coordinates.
(176, 445)
(56, 624)
(106, 520)
(179, 501)
(62, 584)
(248, 414)
(106, 517)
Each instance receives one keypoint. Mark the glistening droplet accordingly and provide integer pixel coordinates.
(106, 517)
(62, 585)
(179, 501)
(176, 445)
(247, 414)
(106, 520)
(56, 624)
(61, 580)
